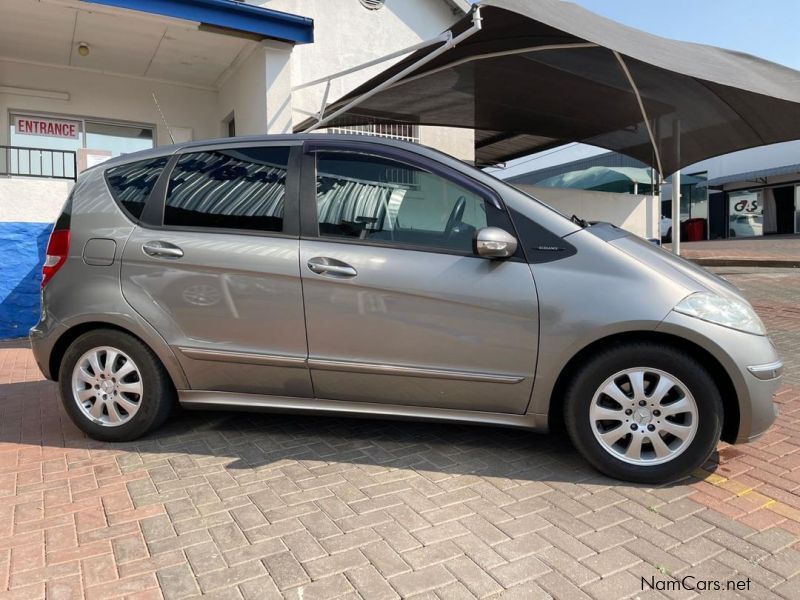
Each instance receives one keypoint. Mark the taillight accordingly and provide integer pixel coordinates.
(57, 251)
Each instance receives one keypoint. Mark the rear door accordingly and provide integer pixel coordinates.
(213, 266)
(399, 309)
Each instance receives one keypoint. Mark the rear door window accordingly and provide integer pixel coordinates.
(234, 188)
(130, 184)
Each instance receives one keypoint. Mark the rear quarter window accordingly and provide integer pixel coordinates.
(130, 184)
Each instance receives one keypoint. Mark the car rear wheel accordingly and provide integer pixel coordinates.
(113, 387)
(644, 412)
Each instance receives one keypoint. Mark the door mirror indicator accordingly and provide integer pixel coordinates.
(493, 242)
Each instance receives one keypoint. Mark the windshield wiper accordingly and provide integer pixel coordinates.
(579, 222)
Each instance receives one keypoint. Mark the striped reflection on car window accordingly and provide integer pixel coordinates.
(131, 183)
(236, 188)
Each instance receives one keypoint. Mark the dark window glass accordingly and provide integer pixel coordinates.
(131, 184)
(236, 188)
(372, 198)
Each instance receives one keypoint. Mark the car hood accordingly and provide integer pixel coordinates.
(677, 269)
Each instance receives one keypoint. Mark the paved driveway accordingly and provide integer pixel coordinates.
(267, 506)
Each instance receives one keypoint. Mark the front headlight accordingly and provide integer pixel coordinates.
(728, 312)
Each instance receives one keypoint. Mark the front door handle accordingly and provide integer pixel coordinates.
(322, 265)
(161, 249)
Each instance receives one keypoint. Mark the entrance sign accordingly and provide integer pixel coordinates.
(59, 128)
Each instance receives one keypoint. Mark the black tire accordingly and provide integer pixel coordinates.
(607, 363)
(158, 396)
(731, 233)
(668, 238)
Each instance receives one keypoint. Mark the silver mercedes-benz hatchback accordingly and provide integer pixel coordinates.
(369, 277)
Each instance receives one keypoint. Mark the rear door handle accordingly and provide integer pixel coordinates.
(161, 249)
(323, 265)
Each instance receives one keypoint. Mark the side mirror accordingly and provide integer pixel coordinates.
(493, 242)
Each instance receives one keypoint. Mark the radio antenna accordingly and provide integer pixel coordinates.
(163, 118)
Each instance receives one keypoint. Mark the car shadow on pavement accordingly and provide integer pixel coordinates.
(32, 415)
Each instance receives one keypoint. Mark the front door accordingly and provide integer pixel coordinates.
(398, 308)
(219, 276)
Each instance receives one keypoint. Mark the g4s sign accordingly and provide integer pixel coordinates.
(746, 204)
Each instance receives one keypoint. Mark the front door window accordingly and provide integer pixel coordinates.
(376, 199)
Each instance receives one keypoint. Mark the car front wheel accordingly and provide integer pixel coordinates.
(644, 412)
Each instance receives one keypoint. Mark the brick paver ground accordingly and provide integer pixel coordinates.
(265, 506)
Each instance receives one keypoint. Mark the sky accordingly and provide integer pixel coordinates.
(767, 28)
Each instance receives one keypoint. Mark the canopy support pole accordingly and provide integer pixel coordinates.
(449, 42)
(442, 37)
(676, 212)
(676, 191)
(641, 108)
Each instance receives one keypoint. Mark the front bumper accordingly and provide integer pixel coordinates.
(751, 362)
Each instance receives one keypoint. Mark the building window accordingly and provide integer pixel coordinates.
(68, 133)
(52, 137)
(118, 139)
(395, 131)
(237, 188)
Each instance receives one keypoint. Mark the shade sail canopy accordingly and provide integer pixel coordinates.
(544, 73)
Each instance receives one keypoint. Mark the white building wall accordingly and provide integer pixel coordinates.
(244, 95)
(99, 95)
(258, 89)
(752, 159)
(346, 35)
(29, 200)
(258, 92)
(633, 212)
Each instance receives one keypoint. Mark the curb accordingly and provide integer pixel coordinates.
(746, 262)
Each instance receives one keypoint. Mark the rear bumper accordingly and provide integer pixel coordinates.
(751, 362)
(43, 337)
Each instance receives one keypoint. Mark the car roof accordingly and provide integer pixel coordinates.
(170, 149)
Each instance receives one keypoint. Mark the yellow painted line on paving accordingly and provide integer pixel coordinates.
(786, 511)
(735, 487)
(711, 478)
(742, 490)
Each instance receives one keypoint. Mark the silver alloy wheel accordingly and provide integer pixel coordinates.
(643, 416)
(107, 386)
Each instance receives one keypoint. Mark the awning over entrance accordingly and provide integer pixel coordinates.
(233, 15)
(545, 73)
(191, 42)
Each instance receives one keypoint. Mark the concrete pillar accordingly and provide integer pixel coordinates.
(278, 74)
